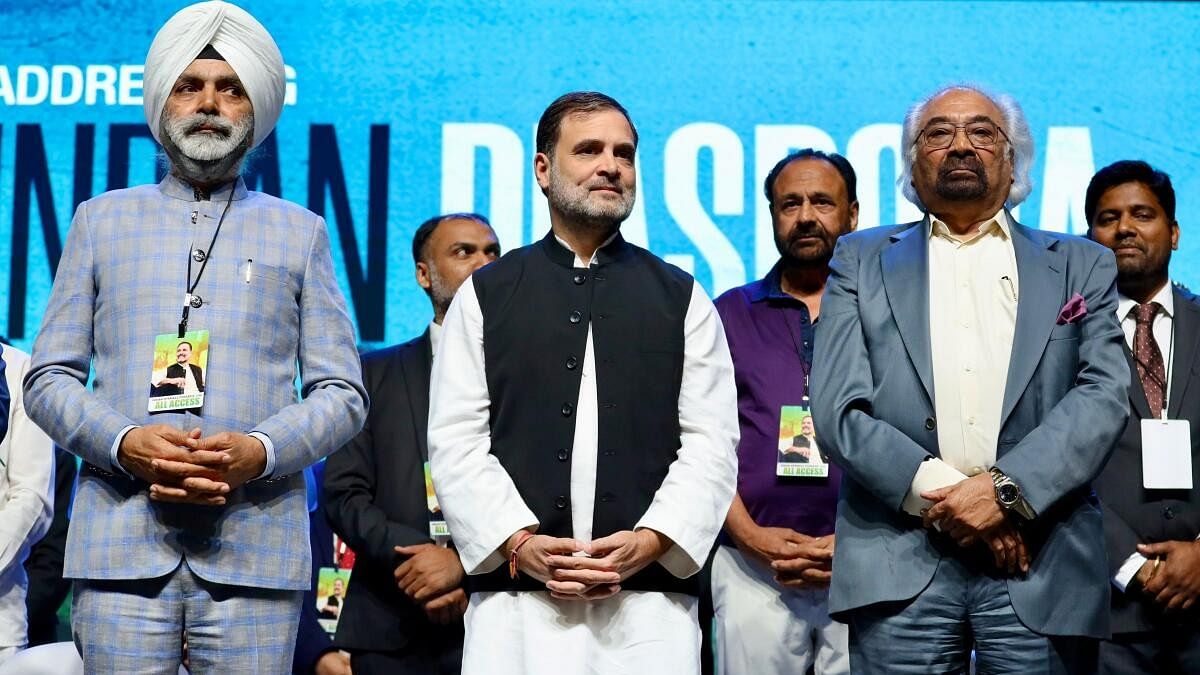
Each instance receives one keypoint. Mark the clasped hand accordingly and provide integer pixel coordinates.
(1175, 585)
(595, 575)
(190, 468)
(432, 577)
(969, 513)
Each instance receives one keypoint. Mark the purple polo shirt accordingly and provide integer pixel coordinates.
(771, 340)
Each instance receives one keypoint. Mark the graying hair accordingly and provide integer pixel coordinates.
(1016, 128)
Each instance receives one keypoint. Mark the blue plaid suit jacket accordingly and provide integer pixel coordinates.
(120, 283)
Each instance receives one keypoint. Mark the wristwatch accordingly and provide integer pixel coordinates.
(1009, 495)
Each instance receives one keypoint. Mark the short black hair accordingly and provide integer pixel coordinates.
(185, 342)
(840, 163)
(1129, 171)
(570, 104)
(425, 231)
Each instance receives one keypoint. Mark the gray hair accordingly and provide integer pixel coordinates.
(1016, 128)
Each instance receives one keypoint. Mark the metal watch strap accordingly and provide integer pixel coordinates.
(1021, 507)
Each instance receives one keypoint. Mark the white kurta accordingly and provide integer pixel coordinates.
(531, 633)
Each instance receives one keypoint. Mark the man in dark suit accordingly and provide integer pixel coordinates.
(1153, 555)
(404, 605)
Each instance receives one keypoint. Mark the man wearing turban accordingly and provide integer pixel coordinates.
(190, 520)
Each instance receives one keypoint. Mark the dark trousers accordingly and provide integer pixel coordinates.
(421, 659)
(1171, 650)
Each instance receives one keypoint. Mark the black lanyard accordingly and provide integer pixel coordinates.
(191, 300)
(799, 345)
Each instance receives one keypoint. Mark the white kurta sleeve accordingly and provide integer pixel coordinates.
(478, 498)
(26, 509)
(694, 498)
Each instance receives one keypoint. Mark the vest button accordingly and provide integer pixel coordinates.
(572, 362)
(579, 279)
(930, 424)
(575, 317)
(563, 454)
(560, 502)
(567, 409)
(610, 452)
(608, 497)
(1169, 513)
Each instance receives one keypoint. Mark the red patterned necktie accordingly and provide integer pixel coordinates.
(1149, 358)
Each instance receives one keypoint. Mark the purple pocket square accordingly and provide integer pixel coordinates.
(1074, 310)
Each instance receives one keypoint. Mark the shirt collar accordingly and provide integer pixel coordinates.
(173, 186)
(435, 337)
(999, 223)
(1164, 297)
(770, 287)
(579, 261)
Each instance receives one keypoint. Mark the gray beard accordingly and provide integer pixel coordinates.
(572, 201)
(439, 292)
(203, 160)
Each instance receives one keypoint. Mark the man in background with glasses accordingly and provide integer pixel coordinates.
(969, 381)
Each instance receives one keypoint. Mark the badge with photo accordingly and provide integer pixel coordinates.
(799, 455)
(332, 583)
(179, 367)
(437, 523)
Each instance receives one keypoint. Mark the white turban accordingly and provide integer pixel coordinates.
(247, 47)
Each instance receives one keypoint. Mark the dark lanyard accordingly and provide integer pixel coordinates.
(191, 300)
(799, 345)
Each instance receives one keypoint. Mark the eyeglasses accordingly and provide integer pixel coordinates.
(982, 134)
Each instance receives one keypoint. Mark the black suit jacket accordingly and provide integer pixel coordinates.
(375, 500)
(1133, 514)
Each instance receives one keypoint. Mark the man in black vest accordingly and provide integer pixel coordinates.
(404, 605)
(582, 428)
(1150, 489)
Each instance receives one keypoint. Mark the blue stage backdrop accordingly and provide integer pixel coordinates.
(401, 110)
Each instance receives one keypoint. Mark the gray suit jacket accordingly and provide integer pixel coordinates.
(1064, 406)
(120, 283)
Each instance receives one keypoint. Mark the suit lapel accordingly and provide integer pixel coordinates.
(1040, 276)
(1186, 327)
(906, 281)
(416, 363)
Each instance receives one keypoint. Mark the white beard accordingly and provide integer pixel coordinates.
(208, 147)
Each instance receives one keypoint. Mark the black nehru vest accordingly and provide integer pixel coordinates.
(536, 310)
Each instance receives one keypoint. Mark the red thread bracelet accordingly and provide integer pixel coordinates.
(512, 556)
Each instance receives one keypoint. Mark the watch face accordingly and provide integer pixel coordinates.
(1008, 494)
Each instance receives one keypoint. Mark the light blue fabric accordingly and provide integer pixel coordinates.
(119, 284)
(136, 627)
(1064, 406)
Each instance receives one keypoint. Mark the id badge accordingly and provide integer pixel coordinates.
(331, 596)
(799, 455)
(1166, 454)
(177, 375)
(437, 524)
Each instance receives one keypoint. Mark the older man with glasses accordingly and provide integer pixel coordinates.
(970, 382)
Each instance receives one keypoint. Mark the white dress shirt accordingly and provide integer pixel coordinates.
(1161, 330)
(531, 633)
(973, 290)
(26, 480)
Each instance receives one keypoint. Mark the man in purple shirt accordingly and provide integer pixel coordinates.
(771, 574)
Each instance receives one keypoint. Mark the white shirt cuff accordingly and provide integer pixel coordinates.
(270, 448)
(116, 446)
(931, 475)
(1128, 571)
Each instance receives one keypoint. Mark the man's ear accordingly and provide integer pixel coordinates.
(423, 278)
(541, 171)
